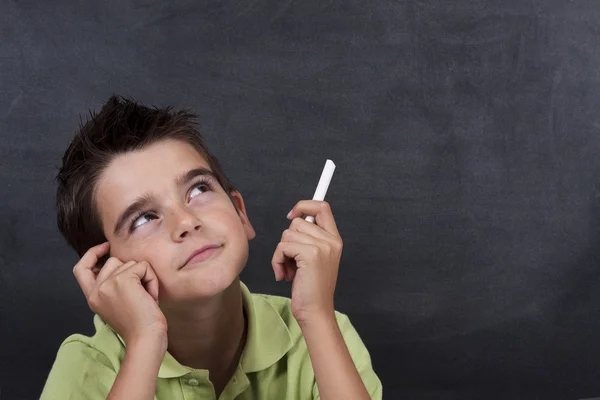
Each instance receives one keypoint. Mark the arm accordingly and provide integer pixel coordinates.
(125, 295)
(138, 374)
(335, 372)
(309, 255)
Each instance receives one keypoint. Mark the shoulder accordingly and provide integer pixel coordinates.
(283, 308)
(104, 344)
(299, 351)
(81, 358)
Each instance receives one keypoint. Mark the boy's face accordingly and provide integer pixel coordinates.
(181, 208)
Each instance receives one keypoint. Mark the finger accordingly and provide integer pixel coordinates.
(297, 236)
(279, 262)
(109, 268)
(297, 251)
(146, 275)
(83, 270)
(312, 230)
(320, 210)
(279, 270)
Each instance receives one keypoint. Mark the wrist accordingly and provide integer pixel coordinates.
(320, 318)
(149, 342)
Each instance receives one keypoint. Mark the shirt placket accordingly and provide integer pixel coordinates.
(236, 386)
(196, 386)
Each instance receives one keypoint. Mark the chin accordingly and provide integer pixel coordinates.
(214, 285)
(201, 283)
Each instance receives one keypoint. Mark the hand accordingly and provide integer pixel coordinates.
(309, 255)
(125, 295)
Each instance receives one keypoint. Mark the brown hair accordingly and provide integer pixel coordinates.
(121, 126)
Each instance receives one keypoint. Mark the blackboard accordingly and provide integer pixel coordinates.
(467, 141)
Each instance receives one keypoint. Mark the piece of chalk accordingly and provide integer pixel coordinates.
(323, 185)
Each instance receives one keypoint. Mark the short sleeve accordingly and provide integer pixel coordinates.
(80, 372)
(360, 356)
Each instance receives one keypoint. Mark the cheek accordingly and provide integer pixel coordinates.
(143, 250)
(150, 250)
(231, 223)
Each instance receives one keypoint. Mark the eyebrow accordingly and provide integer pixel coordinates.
(193, 173)
(144, 200)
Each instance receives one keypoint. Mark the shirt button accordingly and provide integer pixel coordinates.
(193, 382)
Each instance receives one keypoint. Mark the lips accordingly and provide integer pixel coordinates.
(202, 254)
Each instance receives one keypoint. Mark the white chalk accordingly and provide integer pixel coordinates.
(323, 185)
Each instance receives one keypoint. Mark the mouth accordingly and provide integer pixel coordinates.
(202, 254)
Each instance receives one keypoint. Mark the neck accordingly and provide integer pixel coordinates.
(210, 335)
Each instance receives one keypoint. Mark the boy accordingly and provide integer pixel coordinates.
(163, 236)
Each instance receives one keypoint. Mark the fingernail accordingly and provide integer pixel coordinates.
(290, 214)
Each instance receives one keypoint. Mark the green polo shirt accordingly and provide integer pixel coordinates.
(275, 363)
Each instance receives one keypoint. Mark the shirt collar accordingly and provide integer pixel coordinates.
(268, 339)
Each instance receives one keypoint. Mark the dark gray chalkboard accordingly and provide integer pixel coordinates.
(467, 140)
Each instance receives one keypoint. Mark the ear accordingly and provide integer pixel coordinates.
(238, 202)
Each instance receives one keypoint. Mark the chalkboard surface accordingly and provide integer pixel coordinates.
(467, 141)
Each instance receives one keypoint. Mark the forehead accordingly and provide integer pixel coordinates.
(150, 170)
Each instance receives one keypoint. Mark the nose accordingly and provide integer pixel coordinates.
(185, 222)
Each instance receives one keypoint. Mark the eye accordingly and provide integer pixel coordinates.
(199, 188)
(142, 219)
